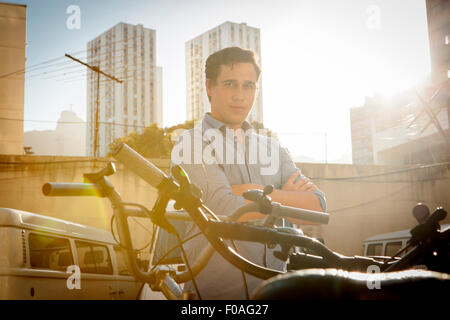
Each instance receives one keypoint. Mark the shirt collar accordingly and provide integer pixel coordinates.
(213, 123)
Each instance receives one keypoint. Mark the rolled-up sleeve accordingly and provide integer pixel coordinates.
(287, 167)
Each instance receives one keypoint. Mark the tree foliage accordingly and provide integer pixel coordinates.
(153, 142)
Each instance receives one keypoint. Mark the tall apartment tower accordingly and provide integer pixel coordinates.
(127, 52)
(198, 49)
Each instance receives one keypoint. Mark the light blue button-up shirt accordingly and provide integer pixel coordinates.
(205, 153)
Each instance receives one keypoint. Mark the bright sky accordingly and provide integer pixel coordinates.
(319, 57)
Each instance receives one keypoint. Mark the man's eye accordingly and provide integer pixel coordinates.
(250, 86)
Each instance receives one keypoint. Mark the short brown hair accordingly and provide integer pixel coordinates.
(229, 56)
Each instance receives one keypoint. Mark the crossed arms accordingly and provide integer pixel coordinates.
(297, 194)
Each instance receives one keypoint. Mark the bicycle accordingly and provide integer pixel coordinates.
(426, 237)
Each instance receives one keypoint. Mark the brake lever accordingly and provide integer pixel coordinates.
(94, 177)
(265, 204)
(422, 231)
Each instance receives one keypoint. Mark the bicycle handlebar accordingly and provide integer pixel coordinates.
(301, 214)
(54, 189)
(139, 165)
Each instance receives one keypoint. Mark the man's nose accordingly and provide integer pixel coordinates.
(238, 93)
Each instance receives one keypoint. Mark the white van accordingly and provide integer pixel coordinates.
(388, 244)
(37, 250)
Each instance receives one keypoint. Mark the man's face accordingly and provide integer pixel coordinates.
(233, 94)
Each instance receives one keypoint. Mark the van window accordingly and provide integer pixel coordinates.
(392, 248)
(121, 261)
(93, 258)
(375, 249)
(48, 252)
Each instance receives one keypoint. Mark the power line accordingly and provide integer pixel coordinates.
(42, 64)
(56, 70)
(112, 58)
(66, 62)
(363, 204)
(117, 67)
(51, 65)
(83, 77)
(390, 181)
(75, 122)
(390, 194)
(443, 164)
(119, 70)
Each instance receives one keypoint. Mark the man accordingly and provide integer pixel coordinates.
(225, 157)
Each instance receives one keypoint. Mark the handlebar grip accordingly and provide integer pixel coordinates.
(422, 231)
(437, 216)
(53, 189)
(242, 232)
(139, 165)
(304, 214)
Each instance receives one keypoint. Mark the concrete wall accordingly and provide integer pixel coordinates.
(359, 207)
(12, 58)
(376, 202)
(22, 178)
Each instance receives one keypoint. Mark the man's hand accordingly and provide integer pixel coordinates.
(301, 185)
(292, 194)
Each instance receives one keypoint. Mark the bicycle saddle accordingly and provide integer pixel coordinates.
(333, 284)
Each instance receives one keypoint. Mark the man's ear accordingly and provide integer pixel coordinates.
(208, 87)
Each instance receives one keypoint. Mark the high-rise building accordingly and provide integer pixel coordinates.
(198, 49)
(127, 52)
(401, 130)
(408, 129)
(13, 18)
(438, 17)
